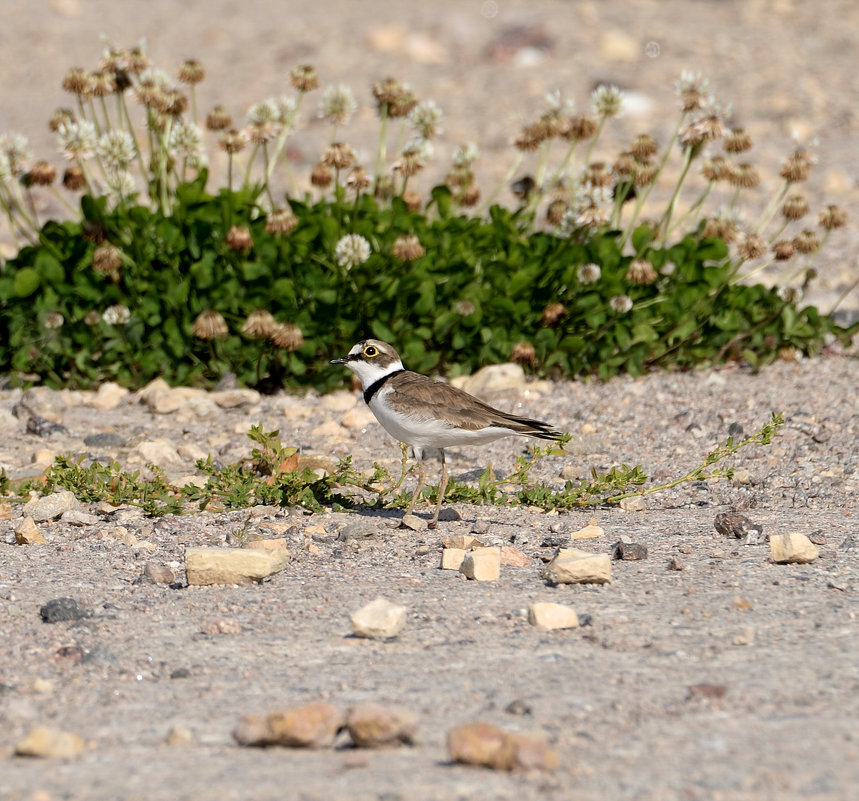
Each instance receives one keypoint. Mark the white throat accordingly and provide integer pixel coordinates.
(370, 372)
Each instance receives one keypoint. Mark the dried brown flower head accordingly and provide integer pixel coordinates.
(321, 176)
(795, 167)
(42, 173)
(281, 221)
(553, 314)
(304, 78)
(339, 155)
(624, 166)
(556, 211)
(644, 146)
(358, 179)
(720, 228)
(597, 173)
(832, 217)
(751, 246)
(78, 81)
(259, 324)
(691, 136)
(783, 250)
(524, 353)
(60, 118)
(103, 83)
(530, 137)
(191, 71)
(107, 259)
(92, 317)
(579, 127)
(470, 196)
(464, 308)
(795, 207)
(806, 241)
(645, 173)
(218, 119)
(286, 336)
(407, 248)
(232, 141)
(737, 141)
(413, 201)
(73, 179)
(743, 175)
(715, 169)
(239, 238)
(210, 324)
(641, 272)
(387, 91)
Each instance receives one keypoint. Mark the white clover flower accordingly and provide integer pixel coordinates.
(120, 184)
(5, 167)
(419, 148)
(116, 149)
(620, 304)
(77, 140)
(351, 250)
(465, 155)
(607, 100)
(186, 139)
(557, 104)
(16, 148)
(425, 118)
(54, 320)
(337, 104)
(155, 77)
(691, 82)
(266, 111)
(589, 273)
(116, 315)
(287, 108)
(790, 294)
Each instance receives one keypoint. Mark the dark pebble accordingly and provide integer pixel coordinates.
(41, 427)
(104, 439)
(630, 551)
(180, 673)
(63, 609)
(518, 707)
(735, 431)
(731, 524)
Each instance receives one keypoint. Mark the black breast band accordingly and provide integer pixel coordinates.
(377, 385)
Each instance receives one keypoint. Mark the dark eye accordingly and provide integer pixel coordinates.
(371, 350)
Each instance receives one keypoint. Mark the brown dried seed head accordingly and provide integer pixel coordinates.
(645, 174)
(624, 166)
(806, 241)
(281, 221)
(286, 336)
(61, 117)
(693, 100)
(103, 84)
(720, 228)
(304, 78)
(387, 91)
(339, 155)
(413, 201)
(530, 137)
(321, 176)
(743, 175)
(218, 119)
(409, 164)
(107, 259)
(715, 169)
(783, 250)
(795, 207)
(641, 272)
(232, 141)
(259, 324)
(737, 141)
(407, 248)
(403, 104)
(78, 81)
(42, 173)
(556, 211)
(358, 179)
(751, 246)
(523, 353)
(210, 324)
(470, 196)
(73, 179)
(239, 238)
(191, 71)
(796, 166)
(579, 127)
(644, 146)
(552, 314)
(597, 174)
(832, 217)
(92, 317)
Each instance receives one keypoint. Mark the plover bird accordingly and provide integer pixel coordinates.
(425, 413)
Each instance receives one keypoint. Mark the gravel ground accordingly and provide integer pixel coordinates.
(776, 644)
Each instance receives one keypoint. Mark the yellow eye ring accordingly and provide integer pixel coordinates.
(370, 351)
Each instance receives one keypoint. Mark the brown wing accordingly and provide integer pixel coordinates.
(457, 407)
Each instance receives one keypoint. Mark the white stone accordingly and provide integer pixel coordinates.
(234, 398)
(495, 377)
(589, 532)
(339, 401)
(633, 504)
(549, 616)
(108, 396)
(161, 452)
(379, 620)
(229, 565)
(579, 567)
(483, 564)
(358, 417)
(451, 558)
(792, 547)
(51, 506)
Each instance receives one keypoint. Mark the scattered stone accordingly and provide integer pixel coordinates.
(104, 439)
(358, 530)
(550, 616)
(512, 557)
(229, 565)
(357, 417)
(373, 725)
(462, 542)
(490, 746)
(745, 637)
(817, 537)
(710, 691)
(235, 398)
(5, 511)
(161, 452)
(315, 461)
(276, 550)
(108, 396)
(741, 604)
(533, 754)
(579, 567)
(61, 609)
(312, 726)
(50, 506)
(170, 400)
(339, 401)
(792, 548)
(589, 532)
(77, 517)
(451, 558)
(158, 573)
(483, 564)
(379, 620)
(27, 533)
(42, 427)
(178, 736)
(633, 504)
(221, 625)
(519, 706)
(495, 377)
(742, 476)
(330, 429)
(180, 673)
(44, 741)
(732, 524)
(629, 551)
(42, 686)
(413, 522)
(676, 564)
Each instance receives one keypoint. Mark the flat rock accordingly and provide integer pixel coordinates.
(358, 417)
(50, 506)
(462, 541)
(374, 725)
(58, 610)
(481, 744)
(379, 620)
(495, 377)
(792, 548)
(633, 504)
(314, 725)
(550, 616)
(161, 452)
(27, 532)
(589, 532)
(229, 565)
(512, 557)
(158, 573)
(276, 550)
(483, 564)
(45, 741)
(77, 517)
(451, 558)
(108, 396)
(339, 401)
(413, 522)
(104, 439)
(234, 398)
(629, 551)
(571, 566)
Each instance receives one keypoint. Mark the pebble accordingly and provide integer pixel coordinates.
(379, 620)
(42, 427)
(358, 417)
(62, 609)
(178, 736)
(374, 725)
(205, 566)
(50, 507)
(492, 747)
(108, 396)
(221, 625)
(579, 567)
(27, 533)
(589, 532)
(330, 429)
(339, 401)
(512, 557)
(158, 573)
(550, 616)
(45, 741)
(314, 725)
(234, 398)
(77, 517)
(629, 551)
(462, 542)
(792, 548)
(483, 564)
(5, 511)
(633, 504)
(104, 439)
(276, 550)
(732, 524)
(676, 564)
(413, 522)
(742, 476)
(451, 558)
(493, 378)
(161, 452)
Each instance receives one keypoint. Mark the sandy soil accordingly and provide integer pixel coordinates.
(613, 697)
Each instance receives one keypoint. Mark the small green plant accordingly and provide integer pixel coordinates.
(154, 273)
